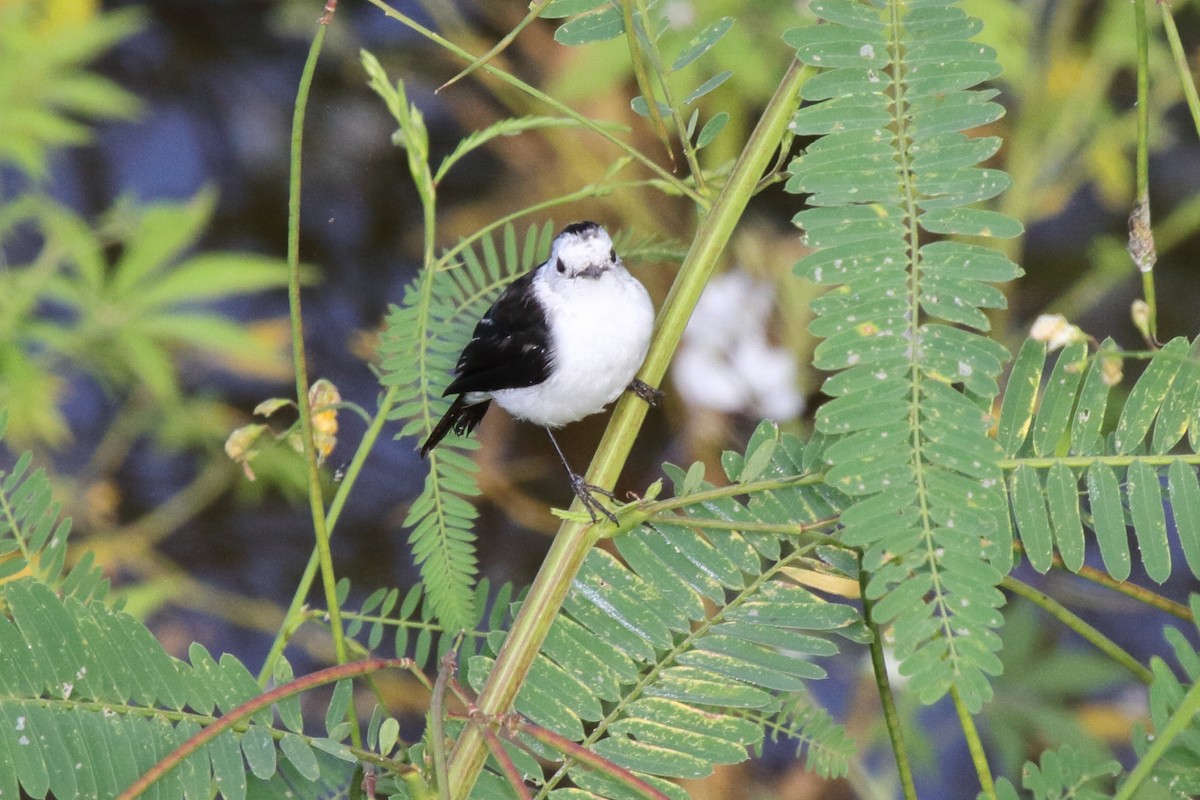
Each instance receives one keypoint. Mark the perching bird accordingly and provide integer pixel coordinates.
(561, 343)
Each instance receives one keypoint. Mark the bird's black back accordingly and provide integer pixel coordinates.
(510, 346)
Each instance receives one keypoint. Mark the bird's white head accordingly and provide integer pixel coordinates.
(581, 250)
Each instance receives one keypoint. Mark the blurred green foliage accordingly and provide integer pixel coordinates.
(47, 92)
(123, 299)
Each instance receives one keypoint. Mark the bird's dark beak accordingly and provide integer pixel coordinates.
(594, 271)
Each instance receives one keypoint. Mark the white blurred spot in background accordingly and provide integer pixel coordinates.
(726, 361)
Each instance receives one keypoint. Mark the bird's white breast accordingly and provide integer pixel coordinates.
(600, 330)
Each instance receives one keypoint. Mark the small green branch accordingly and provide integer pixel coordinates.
(636, 37)
(1083, 462)
(535, 10)
(562, 108)
(1143, 98)
(784, 529)
(974, 745)
(1163, 740)
(437, 721)
(1131, 590)
(1182, 68)
(891, 716)
(1079, 626)
(735, 490)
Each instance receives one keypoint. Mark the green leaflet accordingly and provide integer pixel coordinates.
(1148, 394)
(892, 165)
(702, 42)
(1185, 507)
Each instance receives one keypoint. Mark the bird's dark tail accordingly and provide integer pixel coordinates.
(461, 416)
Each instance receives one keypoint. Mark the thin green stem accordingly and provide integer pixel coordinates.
(1081, 462)
(891, 716)
(660, 70)
(678, 185)
(315, 500)
(1139, 593)
(974, 745)
(1163, 740)
(1130, 590)
(437, 721)
(1182, 67)
(1143, 98)
(633, 37)
(575, 538)
(535, 10)
(1075, 623)
(733, 490)
(295, 613)
(785, 528)
(1141, 235)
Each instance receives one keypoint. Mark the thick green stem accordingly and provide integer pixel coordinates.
(574, 539)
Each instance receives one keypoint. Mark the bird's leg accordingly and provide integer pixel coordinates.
(586, 492)
(652, 396)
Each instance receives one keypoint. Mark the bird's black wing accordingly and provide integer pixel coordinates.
(510, 348)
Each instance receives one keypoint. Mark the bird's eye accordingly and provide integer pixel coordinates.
(612, 255)
(561, 267)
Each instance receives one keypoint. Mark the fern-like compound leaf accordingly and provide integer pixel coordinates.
(893, 167)
(90, 701)
(701, 639)
(1065, 772)
(1135, 476)
(33, 534)
(421, 342)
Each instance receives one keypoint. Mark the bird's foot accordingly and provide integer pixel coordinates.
(586, 492)
(652, 396)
